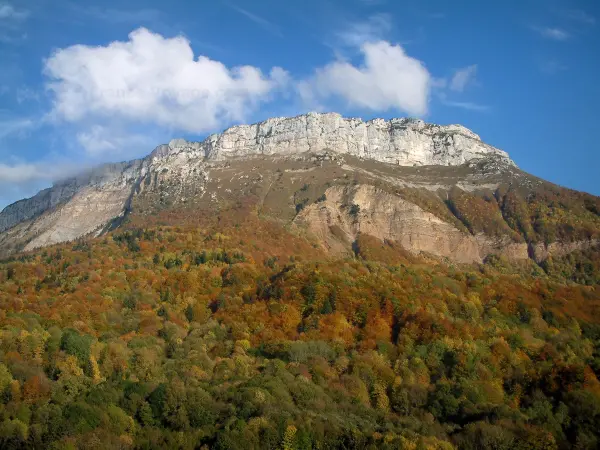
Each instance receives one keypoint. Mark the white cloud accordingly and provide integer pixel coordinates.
(15, 126)
(20, 173)
(104, 141)
(155, 80)
(23, 173)
(112, 95)
(388, 79)
(556, 34)
(471, 106)
(463, 77)
(9, 12)
(23, 179)
(374, 29)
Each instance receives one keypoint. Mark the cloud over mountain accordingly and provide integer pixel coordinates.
(387, 79)
(154, 79)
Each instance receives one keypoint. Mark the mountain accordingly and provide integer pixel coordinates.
(435, 190)
(299, 284)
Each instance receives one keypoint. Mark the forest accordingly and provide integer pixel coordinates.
(246, 335)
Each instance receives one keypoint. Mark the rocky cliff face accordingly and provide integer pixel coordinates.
(400, 175)
(346, 212)
(65, 190)
(405, 142)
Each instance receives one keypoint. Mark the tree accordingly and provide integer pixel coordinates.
(484, 436)
(5, 381)
(443, 402)
(76, 344)
(13, 434)
(289, 438)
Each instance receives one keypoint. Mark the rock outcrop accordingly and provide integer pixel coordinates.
(65, 190)
(77, 207)
(541, 251)
(345, 212)
(336, 177)
(406, 142)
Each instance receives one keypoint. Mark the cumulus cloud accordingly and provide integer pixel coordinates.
(388, 79)
(156, 80)
(463, 77)
(556, 34)
(153, 80)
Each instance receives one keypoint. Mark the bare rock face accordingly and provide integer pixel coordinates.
(43, 201)
(77, 207)
(63, 191)
(541, 251)
(88, 212)
(272, 160)
(405, 142)
(365, 209)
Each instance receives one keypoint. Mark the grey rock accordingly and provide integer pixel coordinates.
(405, 142)
(86, 204)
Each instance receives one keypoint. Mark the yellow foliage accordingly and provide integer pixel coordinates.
(69, 367)
(289, 437)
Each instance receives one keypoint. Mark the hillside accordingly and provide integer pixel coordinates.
(233, 332)
(304, 283)
(435, 189)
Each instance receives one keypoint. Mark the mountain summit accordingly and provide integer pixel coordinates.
(404, 142)
(433, 189)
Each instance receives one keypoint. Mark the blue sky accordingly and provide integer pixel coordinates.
(85, 82)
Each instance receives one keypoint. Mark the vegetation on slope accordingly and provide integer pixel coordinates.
(551, 214)
(238, 334)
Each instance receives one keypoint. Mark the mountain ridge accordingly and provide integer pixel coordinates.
(402, 141)
(219, 146)
(286, 164)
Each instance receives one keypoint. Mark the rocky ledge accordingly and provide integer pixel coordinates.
(406, 142)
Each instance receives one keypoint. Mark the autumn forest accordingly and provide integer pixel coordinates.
(242, 334)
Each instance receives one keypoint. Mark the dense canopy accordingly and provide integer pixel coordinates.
(241, 334)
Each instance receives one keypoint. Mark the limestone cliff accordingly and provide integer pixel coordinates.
(345, 212)
(64, 191)
(405, 142)
(401, 176)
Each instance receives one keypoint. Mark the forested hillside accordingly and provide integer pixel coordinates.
(239, 334)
